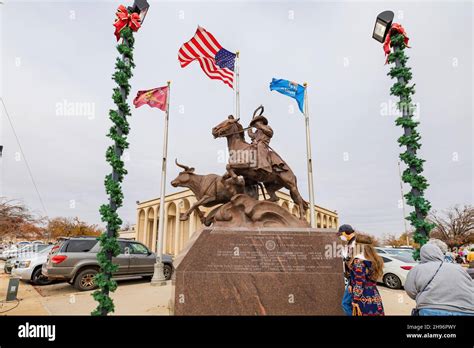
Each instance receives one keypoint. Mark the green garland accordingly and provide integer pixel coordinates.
(411, 139)
(118, 133)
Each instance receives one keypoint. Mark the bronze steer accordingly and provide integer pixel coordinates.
(210, 190)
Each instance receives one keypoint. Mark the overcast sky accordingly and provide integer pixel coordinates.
(61, 52)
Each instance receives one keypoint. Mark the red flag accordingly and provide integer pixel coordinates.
(155, 98)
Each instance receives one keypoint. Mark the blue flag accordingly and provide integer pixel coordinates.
(291, 89)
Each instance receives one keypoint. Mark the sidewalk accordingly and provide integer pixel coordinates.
(396, 302)
(132, 297)
(28, 304)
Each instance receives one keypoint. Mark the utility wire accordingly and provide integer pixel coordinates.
(24, 157)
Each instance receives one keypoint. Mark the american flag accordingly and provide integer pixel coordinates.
(215, 61)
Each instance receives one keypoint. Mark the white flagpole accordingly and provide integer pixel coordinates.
(158, 275)
(310, 160)
(236, 84)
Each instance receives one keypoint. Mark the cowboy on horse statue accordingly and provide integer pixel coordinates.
(267, 159)
(270, 169)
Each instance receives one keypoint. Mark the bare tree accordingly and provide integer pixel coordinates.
(16, 220)
(455, 226)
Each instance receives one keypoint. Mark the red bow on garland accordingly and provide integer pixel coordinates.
(396, 28)
(125, 19)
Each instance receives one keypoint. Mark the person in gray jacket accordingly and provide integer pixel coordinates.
(440, 288)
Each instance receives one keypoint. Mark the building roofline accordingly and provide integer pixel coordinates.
(189, 193)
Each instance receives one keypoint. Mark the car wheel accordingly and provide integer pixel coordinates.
(392, 281)
(167, 271)
(39, 279)
(85, 280)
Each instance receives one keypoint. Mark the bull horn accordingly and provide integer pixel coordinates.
(186, 168)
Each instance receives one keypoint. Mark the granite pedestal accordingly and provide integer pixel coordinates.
(259, 271)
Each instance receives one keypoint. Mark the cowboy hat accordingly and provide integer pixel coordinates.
(259, 117)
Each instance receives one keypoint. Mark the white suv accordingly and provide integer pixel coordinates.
(28, 267)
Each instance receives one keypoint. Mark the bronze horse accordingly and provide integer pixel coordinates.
(234, 132)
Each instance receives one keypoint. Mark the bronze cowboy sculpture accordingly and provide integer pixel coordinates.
(267, 159)
(269, 168)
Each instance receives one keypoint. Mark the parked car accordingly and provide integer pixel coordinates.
(28, 267)
(15, 252)
(394, 251)
(395, 269)
(75, 260)
(9, 264)
(25, 252)
(7, 251)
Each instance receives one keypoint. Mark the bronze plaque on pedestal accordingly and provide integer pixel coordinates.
(267, 271)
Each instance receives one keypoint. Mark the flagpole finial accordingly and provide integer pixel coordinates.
(305, 84)
(237, 54)
(168, 82)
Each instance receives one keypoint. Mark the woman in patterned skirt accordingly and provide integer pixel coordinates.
(366, 268)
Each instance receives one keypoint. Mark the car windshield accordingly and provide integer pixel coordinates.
(399, 251)
(46, 249)
(407, 257)
(33, 248)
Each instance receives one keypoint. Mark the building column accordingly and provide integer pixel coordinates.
(290, 207)
(145, 230)
(191, 224)
(177, 228)
(165, 228)
(155, 228)
(137, 226)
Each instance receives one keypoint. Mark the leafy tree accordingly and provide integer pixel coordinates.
(68, 227)
(401, 240)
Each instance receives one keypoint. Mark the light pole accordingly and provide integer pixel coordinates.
(382, 26)
(141, 7)
(403, 204)
(127, 21)
(395, 40)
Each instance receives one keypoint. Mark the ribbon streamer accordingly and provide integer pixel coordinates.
(387, 45)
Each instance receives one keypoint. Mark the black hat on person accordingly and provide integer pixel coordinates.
(346, 229)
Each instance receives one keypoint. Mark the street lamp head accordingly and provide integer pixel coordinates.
(382, 25)
(140, 7)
